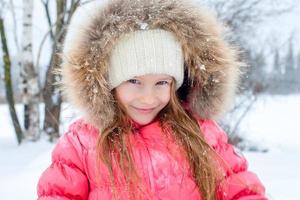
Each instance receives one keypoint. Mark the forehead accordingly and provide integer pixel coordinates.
(154, 77)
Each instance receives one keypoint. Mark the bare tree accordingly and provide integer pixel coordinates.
(290, 67)
(12, 9)
(298, 65)
(298, 61)
(51, 93)
(297, 74)
(8, 82)
(285, 76)
(29, 76)
(277, 69)
(242, 18)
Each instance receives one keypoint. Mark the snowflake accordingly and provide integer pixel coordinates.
(202, 67)
(143, 25)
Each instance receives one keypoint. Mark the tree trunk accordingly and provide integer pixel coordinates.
(52, 95)
(8, 84)
(30, 78)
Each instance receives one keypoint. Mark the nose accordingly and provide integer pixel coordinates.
(148, 97)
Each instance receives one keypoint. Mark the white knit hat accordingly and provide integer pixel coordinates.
(141, 52)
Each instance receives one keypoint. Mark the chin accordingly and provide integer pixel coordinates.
(143, 122)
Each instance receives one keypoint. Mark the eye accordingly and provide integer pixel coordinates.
(162, 83)
(133, 81)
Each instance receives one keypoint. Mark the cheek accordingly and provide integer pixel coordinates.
(164, 96)
(124, 100)
(166, 99)
(124, 96)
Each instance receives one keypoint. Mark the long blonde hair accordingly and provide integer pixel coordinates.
(113, 147)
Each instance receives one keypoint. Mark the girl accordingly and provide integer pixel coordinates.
(151, 77)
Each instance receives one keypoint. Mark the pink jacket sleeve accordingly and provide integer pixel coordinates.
(239, 183)
(64, 178)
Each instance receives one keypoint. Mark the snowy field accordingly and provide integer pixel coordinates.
(272, 124)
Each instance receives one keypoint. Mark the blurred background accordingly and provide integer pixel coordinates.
(263, 124)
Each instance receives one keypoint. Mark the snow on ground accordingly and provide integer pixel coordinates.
(273, 123)
(279, 172)
(21, 166)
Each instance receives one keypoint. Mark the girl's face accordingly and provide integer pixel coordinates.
(144, 96)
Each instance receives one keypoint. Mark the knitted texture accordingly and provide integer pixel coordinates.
(146, 52)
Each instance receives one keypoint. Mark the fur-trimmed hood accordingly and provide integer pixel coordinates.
(96, 27)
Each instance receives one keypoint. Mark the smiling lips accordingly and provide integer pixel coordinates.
(144, 111)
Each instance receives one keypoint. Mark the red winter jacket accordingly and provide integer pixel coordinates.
(72, 172)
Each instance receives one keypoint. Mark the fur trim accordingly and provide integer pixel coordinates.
(210, 60)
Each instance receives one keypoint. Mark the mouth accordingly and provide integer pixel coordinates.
(144, 110)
